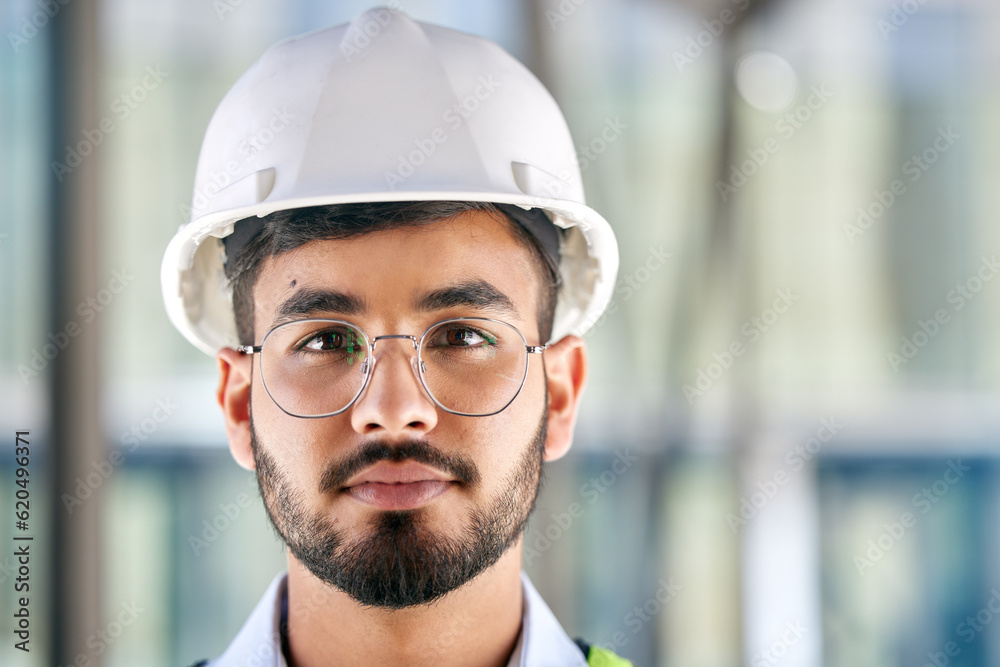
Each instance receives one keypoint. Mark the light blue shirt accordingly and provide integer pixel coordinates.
(542, 642)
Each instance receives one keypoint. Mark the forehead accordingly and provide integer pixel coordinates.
(390, 274)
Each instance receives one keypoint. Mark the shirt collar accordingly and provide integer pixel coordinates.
(258, 642)
(542, 640)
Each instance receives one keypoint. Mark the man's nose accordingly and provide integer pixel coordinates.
(394, 404)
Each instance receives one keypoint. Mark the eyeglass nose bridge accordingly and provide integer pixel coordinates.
(368, 368)
(412, 339)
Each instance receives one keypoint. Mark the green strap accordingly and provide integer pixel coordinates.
(602, 657)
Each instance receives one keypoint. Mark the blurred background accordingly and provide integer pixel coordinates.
(800, 364)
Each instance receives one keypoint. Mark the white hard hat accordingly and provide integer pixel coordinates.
(383, 109)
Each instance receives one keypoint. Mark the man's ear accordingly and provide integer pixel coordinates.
(566, 375)
(233, 394)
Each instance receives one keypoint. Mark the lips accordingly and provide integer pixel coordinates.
(398, 496)
(392, 486)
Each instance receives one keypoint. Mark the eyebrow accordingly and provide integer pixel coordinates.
(309, 302)
(477, 294)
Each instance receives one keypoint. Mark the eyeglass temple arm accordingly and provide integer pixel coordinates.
(249, 349)
(535, 349)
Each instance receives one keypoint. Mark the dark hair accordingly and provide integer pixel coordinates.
(286, 230)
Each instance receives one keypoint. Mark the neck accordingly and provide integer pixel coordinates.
(476, 625)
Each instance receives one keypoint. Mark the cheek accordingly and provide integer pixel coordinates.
(504, 437)
(296, 445)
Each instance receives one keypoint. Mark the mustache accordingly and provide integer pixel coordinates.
(420, 451)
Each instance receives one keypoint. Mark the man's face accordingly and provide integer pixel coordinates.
(399, 544)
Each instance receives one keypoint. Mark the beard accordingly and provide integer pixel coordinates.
(401, 562)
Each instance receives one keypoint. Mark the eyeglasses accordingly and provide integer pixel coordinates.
(470, 366)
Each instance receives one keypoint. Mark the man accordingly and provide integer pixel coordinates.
(380, 275)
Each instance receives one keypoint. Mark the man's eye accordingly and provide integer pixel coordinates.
(462, 337)
(465, 337)
(326, 341)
